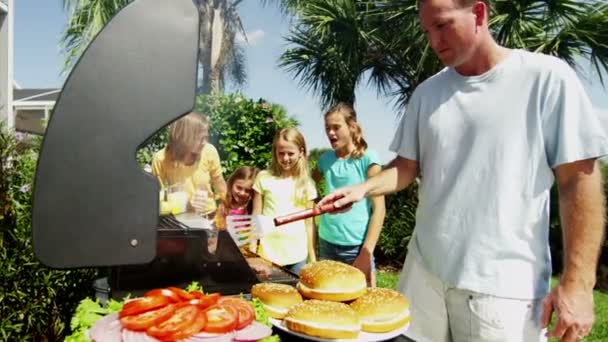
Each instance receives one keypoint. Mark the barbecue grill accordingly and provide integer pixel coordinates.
(93, 204)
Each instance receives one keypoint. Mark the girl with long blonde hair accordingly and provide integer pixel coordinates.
(285, 188)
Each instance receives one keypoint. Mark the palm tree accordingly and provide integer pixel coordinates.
(336, 44)
(221, 58)
(87, 17)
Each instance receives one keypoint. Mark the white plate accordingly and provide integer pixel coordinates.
(363, 336)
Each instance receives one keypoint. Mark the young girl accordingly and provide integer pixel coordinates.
(191, 163)
(238, 202)
(286, 188)
(351, 236)
(238, 198)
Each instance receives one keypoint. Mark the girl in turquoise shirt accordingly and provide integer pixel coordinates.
(349, 237)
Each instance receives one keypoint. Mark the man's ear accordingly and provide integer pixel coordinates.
(480, 10)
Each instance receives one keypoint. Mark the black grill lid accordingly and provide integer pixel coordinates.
(93, 205)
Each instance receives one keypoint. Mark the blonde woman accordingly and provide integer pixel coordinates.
(191, 163)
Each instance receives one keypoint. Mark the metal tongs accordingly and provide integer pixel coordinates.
(245, 229)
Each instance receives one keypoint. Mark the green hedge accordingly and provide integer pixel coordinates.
(398, 226)
(35, 301)
(243, 129)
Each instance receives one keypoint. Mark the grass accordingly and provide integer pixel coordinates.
(598, 333)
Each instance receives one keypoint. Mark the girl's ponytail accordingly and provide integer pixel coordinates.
(360, 143)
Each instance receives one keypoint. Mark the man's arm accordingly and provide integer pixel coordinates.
(582, 203)
(397, 175)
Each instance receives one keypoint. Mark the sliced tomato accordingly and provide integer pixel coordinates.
(142, 304)
(173, 297)
(197, 325)
(181, 319)
(144, 320)
(182, 294)
(221, 318)
(245, 309)
(204, 301)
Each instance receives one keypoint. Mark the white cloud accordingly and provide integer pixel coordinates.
(253, 37)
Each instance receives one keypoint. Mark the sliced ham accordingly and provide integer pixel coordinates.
(107, 329)
(253, 332)
(136, 336)
(209, 337)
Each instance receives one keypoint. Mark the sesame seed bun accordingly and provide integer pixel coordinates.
(331, 280)
(323, 319)
(382, 310)
(277, 298)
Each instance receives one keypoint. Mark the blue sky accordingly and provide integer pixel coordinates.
(38, 60)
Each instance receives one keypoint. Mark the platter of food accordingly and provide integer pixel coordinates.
(332, 302)
(174, 314)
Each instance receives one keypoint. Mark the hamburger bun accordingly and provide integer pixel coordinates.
(277, 298)
(331, 280)
(382, 310)
(323, 319)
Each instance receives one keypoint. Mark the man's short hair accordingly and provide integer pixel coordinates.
(465, 3)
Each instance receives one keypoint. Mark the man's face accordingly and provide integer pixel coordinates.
(451, 30)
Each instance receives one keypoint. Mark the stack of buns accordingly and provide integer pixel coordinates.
(331, 280)
(326, 285)
(382, 310)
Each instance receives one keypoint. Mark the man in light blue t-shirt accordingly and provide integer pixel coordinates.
(488, 136)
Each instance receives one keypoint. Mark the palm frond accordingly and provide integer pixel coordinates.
(87, 18)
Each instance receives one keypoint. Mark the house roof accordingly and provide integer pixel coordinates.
(39, 94)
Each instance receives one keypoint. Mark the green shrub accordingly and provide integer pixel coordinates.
(156, 142)
(34, 300)
(313, 160)
(398, 225)
(243, 129)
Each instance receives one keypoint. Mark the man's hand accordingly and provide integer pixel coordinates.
(344, 198)
(364, 263)
(573, 308)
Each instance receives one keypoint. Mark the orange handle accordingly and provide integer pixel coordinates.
(303, 214)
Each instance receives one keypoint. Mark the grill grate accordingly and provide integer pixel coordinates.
(170, 222)
(184, 255)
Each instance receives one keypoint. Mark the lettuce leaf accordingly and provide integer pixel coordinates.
(260, 313)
